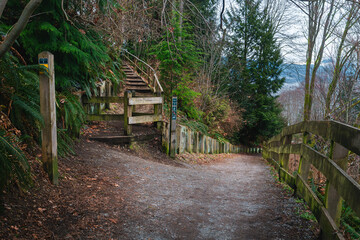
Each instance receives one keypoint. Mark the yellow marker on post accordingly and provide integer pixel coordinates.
(44, 62)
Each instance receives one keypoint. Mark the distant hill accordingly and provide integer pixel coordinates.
(294, 74)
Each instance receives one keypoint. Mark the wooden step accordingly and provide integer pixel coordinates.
(135, 83)
(125, 139)
(132, 76)
(138, 87)
(142, 90)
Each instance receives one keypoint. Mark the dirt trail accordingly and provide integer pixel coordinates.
(107, 192)
(234, 199)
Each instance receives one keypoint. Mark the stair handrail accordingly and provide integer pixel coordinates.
(156, 82)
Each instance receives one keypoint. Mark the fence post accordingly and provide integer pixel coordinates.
(127, 113)
(196, 146)
(201, 143)
(304, 164)
(158, 110)
(107, 93)
(48, 112)
(190, 139)
(333, 200)
(284, 157)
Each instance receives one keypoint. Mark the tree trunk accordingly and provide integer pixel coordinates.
(2, 6)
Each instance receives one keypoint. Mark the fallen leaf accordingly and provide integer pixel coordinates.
(14, 227)
(41, 210)
(113, 220)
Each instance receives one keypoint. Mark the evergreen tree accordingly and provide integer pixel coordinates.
(254, 61)
(178, 58)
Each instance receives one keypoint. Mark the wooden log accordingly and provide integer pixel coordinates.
(48, 112)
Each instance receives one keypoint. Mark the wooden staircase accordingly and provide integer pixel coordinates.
(139, 90)
(135, 83)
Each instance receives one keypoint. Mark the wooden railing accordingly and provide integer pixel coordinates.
(145, 71)
(340, 186)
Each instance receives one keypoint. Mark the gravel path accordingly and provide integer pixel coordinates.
(233, 199)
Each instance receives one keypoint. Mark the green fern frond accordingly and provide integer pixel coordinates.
(13, 164)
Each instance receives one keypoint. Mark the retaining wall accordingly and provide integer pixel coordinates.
(191, 141)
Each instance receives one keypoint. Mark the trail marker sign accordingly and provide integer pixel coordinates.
(173, 127)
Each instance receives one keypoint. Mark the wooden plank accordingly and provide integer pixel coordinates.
(346, 135)
(127, 113)
(145, 100)
(104, 100)
(145, 119)
(289, 149)
(345, 185)
(328, 227)
(287, 177)
(105, 117)
(333, 201)
(304, 191)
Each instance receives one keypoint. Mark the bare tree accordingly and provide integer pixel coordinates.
(320, 22)
(345, 49)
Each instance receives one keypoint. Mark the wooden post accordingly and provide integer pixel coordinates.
(158, 110)
(333, 200)
(48, 112)
(284, 157)
(304, 164)
(127, 113)
(173, 127)
(189, 140)
(202, 142)
(196, 147)
(107, 93)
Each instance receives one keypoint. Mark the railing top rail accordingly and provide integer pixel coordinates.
(346, 135)
(152, 69)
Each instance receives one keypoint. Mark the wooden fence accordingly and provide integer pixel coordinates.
(191, 141)
(95, 106)
(340, 185)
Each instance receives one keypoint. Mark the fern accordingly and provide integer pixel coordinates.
(350, 222)
(196, 126)
(13, 164)
(65, 143)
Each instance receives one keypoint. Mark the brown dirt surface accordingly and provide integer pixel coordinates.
(114, 192)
